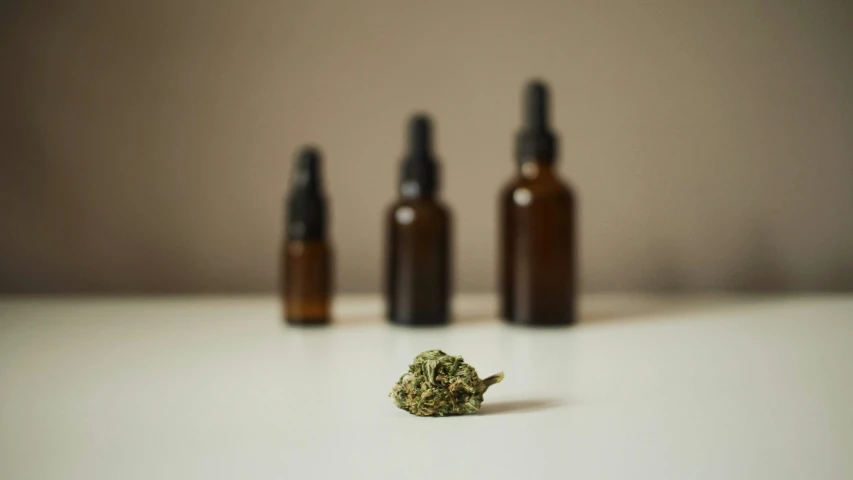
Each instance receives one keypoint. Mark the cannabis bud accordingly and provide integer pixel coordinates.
(438, 384)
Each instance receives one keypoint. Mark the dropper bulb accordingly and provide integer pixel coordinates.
(536, 106)
(536, 141)
(420, 137)
(419, 172)
(309, 159)
(306, 205)
(308, 168)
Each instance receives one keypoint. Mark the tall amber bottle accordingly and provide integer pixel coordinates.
(306, 256)
(417, 250)
(537, 216)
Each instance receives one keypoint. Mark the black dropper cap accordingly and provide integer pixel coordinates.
(536, 141)
(306, 204)
(419, 173)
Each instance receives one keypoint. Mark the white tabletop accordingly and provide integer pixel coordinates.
(216, 387)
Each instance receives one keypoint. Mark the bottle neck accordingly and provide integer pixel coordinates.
(536, 168)
(413, 190)
(306, 215)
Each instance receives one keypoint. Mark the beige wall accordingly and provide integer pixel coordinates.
(146, 144)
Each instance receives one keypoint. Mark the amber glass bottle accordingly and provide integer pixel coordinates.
(306, 256)
(537, 217)
(417, 250)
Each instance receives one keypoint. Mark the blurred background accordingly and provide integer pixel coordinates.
(145, 146)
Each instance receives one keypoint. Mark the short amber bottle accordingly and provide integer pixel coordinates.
(417, 250)
(538, 270)
(306, 256)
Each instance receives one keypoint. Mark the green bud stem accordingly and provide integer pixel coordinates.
(496, 378)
